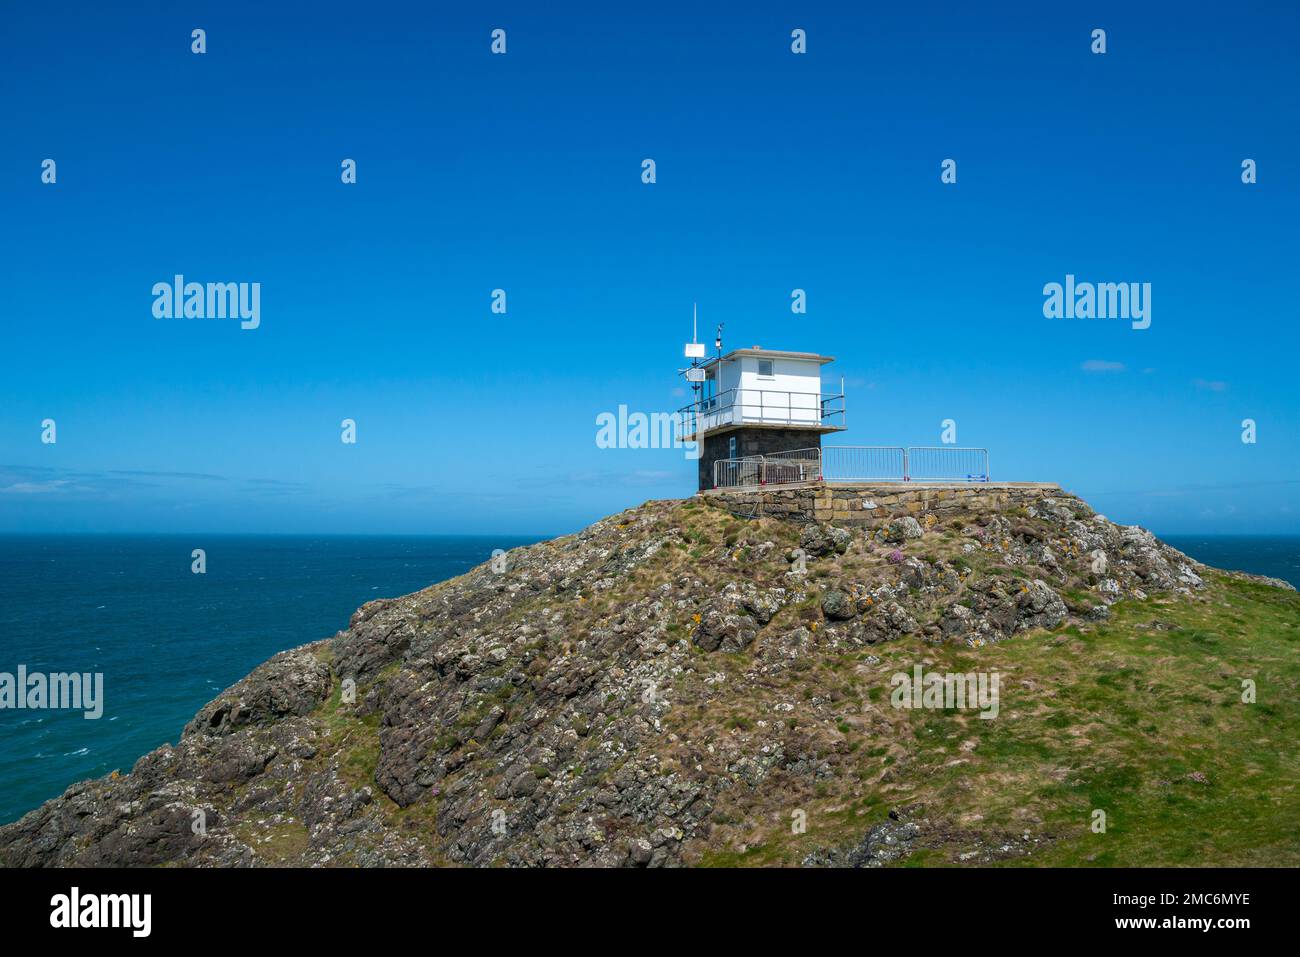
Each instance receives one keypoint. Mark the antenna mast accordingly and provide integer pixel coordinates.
(695, 361)
(695, 352)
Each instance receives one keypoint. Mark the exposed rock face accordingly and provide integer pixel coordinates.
(902, 530)
(720, 628)
(605, 700)
(291, 683)
(817, 540)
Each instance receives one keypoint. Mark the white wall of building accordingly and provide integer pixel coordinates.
(790, 395)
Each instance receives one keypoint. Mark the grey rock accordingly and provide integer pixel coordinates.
(903, 529)
(837, 605)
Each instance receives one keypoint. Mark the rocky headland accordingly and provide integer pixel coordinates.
(711, 682)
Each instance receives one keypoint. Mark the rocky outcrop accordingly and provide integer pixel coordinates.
(622, 696)
(292, 683)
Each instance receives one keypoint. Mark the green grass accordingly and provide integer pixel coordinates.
(1124, 715)
(1117, 716)
(278, 844)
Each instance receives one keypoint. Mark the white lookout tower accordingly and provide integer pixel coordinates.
(757, 401)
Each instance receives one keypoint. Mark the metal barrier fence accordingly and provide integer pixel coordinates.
(779, 468)
(854, 463)
(737, 473)
(799, 465)
(947, 464)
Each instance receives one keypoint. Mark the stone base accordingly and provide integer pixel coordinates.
(866, 504)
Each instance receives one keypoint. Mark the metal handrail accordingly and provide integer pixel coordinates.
(736, 407)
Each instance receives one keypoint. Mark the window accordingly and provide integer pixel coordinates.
(731, 447)
(765, 368)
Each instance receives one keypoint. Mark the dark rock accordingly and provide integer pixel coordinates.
(818, 540)
(838, 606)
(722, 630)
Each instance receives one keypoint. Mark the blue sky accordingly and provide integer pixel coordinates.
(522, 172)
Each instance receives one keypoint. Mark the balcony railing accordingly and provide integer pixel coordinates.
(762, 407)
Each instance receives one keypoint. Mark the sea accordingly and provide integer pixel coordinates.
(168, 640)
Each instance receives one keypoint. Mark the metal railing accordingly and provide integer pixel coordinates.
(737, 473)
(799, 465)
(854, 463)
(947, 464)
(762, 407)
(865, 463)
(779, 468)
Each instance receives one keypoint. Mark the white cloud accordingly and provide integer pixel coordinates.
(1101, 365)
(35, 488)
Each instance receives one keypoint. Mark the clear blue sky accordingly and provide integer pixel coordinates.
(522, 171)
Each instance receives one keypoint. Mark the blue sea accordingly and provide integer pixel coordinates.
(167, 641)
(1277, 556)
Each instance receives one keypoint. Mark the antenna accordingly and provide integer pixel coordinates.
(695, 352)
(695, 348)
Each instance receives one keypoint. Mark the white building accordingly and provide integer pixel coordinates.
(757, 401)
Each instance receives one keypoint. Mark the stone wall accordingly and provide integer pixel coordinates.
(869, 504)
